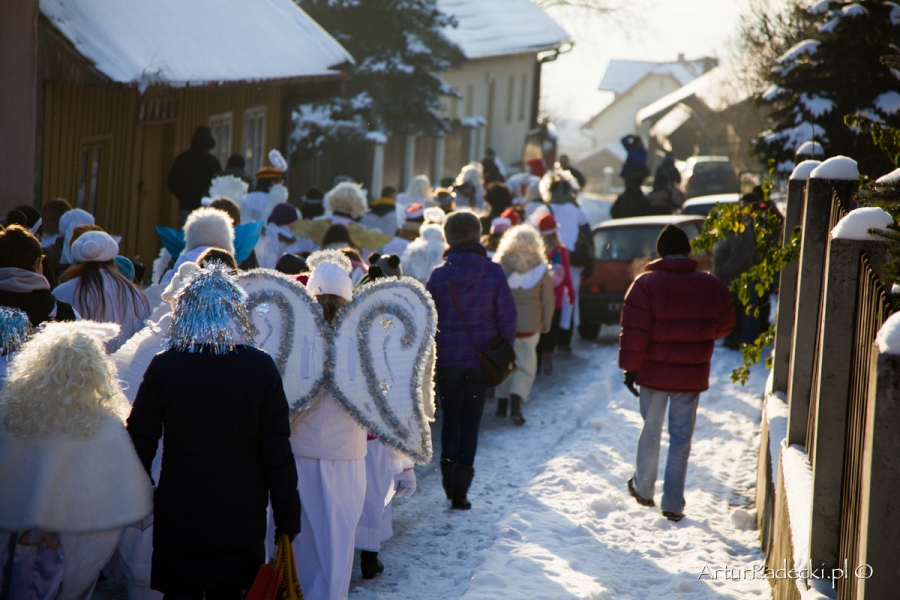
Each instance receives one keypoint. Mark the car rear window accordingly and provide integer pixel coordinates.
(698, 209)
(629, 243)
(713, 167)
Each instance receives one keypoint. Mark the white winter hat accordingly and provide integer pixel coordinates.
(209, 227)
(94, 246)
(330, 278)
(179, 280)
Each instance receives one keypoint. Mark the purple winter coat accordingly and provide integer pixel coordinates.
(485, 297)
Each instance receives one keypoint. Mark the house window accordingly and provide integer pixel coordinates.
(254, 137)
(523, 97)
(510, 97)
(158, 110)
(470, 100)
(89, 170)
(220, 125)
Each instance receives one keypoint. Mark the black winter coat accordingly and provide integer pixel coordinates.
(630, 203)
(190, 177)
(225, 427)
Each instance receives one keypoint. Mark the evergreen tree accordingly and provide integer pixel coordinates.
(395, 85)
(835, 73)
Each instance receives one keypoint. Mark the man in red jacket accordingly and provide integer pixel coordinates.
(672, 317)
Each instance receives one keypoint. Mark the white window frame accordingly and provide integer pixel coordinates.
(510, 97)
(222, 149)
(254, 146)
(523, 97)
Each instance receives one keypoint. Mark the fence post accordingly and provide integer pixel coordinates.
(879, 531)
(377, 168)
(787, 288)
(437, 170)
(409, 160)
(472, 147)
(814, 223)
(831, 392)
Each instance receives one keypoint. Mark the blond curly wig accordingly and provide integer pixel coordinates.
(347, 198)
(62, 381)
(521, 249)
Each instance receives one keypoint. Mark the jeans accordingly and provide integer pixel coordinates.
(463, 391)
(682, 415)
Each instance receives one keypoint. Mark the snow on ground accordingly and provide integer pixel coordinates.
(551, 517)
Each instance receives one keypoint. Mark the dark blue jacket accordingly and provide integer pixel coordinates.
(485, 297)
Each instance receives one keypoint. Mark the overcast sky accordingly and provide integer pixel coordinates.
(656, 30)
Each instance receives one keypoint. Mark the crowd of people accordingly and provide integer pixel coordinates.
(106, 361)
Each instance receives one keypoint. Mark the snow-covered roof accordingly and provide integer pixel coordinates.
(621, 75)
(717, 88)
(501, 27)
(196, 42)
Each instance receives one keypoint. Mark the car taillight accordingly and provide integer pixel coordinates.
(595, 289)
(693, 179)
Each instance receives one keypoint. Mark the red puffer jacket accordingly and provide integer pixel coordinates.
(673, 315)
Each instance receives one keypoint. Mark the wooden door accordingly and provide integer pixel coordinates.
(156, 205)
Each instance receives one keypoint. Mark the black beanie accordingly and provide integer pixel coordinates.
(672, 240)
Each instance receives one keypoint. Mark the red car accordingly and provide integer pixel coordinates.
(623, 248)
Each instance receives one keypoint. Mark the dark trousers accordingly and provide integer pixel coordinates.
(205, 595)
(463, 392)
(549, 340)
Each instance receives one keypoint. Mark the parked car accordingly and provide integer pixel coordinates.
(705, 175)
(623, 248)
(701, 205)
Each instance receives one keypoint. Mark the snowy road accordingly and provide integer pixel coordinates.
(551, 517)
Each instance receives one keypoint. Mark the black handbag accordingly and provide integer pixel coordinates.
(498, 359)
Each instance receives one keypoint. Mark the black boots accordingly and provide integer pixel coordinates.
(447, 475)
(459, 486)
(370, 564)
(515, 410)
(502, 403)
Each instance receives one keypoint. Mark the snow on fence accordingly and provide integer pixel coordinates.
(834, 401)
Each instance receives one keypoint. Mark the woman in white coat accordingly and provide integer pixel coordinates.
(70, 479)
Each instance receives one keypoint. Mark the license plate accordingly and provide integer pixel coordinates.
(714, 188)
(614, 306)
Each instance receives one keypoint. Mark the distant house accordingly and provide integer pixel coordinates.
(104, 94)
(711, 115)
(637, 84)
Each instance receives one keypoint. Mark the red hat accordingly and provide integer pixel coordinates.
(416, 211)
(537, 166)
(547, 224)
(511, 214)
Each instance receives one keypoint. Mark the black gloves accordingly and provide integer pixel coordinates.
(630, 378)
(291, 536)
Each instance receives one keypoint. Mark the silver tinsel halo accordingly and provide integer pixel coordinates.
(209, 310)
(15, 329)
(334, 256)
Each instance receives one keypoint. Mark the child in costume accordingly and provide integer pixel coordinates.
(70, 479)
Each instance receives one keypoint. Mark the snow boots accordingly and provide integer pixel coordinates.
(515, 410)
(459, 486)
(502, 403)
(447, 476)
(639, 499)
(370, 564)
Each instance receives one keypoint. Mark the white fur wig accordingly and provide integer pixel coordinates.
(422, 255)
(554, 176)
(521, 249)
(229, 186)
(209, 227)
(347, 198)
(419, 190)
(62, 381)
(471, 174)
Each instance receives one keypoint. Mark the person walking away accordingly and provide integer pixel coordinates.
(278, 236)
(631, 202)
(499, 198)
(424, 254)
(192, 172)
(22, 283)
(268, 193)
(235, 168)
(474, 306)
(566, 165)
(218, 404)
(732, 257)
(520, 255)
(312, 204)
(383, 216)
(661, 199)
(97, 290)
(667, 167)
(636, 161)
(672, 317)
(71, 479)
(492, 168)
(563, 287)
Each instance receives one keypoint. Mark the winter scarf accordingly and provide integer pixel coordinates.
(14, 279)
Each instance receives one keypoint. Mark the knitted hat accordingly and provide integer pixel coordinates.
(291, 264)
(94, 246)
(547, 224)
(415, 211)
(269, 173)
(511, 214)
(313, 196)
(209, 227)
(283, 214)
(330, 278)
(500, 224)
(463, 228)
(125, 267)
(672, 240)
(390, 265)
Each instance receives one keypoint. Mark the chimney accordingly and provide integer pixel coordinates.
(681, 57)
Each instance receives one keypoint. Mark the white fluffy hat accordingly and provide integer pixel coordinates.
(94, 246)
(209, 227)
(347, 197)
(330, 278)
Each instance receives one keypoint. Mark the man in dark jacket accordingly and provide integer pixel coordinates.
(192, 172)
(22, 283)
(632, 202)
(221, 410)
(673, 315)
(488, 311)
(566, 165)
(636, 161)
